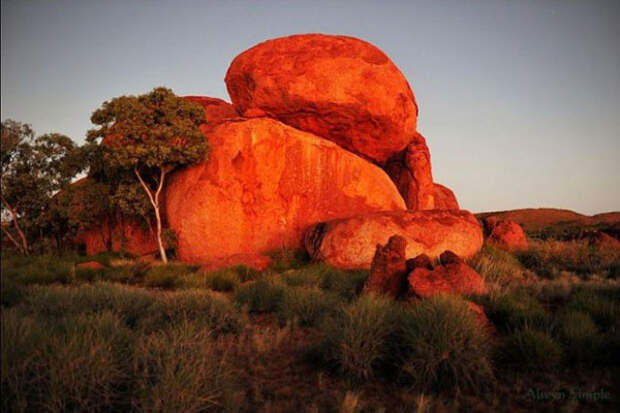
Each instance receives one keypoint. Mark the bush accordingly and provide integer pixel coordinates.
(496, 265)
(308, 306)
(600, 304)
(515, 310)
(263, 296)
(181, 371)
(530, 349)
(167, 277)
(222, 280)
(443, 347)
(356, 339)
(347, 284)
(41, 269)
(214, 314)
(580, 337)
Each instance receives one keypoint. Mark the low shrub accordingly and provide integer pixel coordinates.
(222, 280)
(530, 349)
(180, 370)
(262, 296)
(514, 310)
(496, 265)
(443, 347)
(580, 337)
(347, 284)
(40, 269)
(356, 338)
(167, 277)
(308, 306)
(599, 303)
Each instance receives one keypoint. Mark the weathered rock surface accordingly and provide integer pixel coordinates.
(90, 265)
(505, 234)
(337, 87)
(452, 276)
(216, 110)
(121, 235)
(388, 270)
(350, 243)
(263, 185)
(444, 197)
(411, 172)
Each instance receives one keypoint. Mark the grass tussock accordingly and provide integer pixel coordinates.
(530, 349)
(496, 265)
(263, 296)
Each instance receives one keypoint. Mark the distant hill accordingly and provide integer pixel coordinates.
(534, 219)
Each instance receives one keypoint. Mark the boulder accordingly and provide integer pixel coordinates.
(216, 110)
(411, 172)
(505, 234)
(337, 87)
(389, 268)
(263, 185)
(444, 197)
(350, 242)
(90, 265)
(452, 276)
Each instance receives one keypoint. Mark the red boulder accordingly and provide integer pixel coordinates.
(505, 234)
(452, 276)
(337, 87)
(444, 197)
(388, 269)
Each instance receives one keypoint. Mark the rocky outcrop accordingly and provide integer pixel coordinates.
(216, 110)
(263, 185)
(505, 234)
(388, 269)
(337, 87)
(411, 172)
(120, 234)
(444, 197)
(452, 276)
(350, 242)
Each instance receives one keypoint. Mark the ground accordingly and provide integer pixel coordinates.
(301, 337)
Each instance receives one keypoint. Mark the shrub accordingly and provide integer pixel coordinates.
(530, 349)
(200, 308)
(347, 284)
(356, 339)
(496, 265)
(167, 277)
(598, 303)
(222, 280)
(181, 371)
(443, 347)
(308, 306)
(263, 296)
(105, 257)
(41, 269)
(515, 310)
(580, 337)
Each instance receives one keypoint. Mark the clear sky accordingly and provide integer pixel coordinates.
(519, 100)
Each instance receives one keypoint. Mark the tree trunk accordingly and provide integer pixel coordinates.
(17, 227)
(12, 239)
(154, 198)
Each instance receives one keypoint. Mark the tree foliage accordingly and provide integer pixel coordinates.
(146, 137)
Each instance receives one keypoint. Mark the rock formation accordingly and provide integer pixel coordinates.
(389, 268)
(505, 234)
(216, 110)
(263, 185)
(350, 242)
(337, 87)
(452, 276)
(444, 197)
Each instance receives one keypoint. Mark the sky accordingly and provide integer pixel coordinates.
(519, 100)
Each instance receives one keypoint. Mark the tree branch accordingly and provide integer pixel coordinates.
(10, 237)
(13, 213)
(145, 186)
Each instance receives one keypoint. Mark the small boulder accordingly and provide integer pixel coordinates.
(452, 276)
(505, 234)
(388, 269)
(444, 197)
(91, 265)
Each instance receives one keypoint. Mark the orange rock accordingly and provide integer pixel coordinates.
(444, 197)
(453, 276)
(91, 265)
(337, 87)
(216, 110)
(263, 185)
(481, 317)
(350, 243)
(411, 171)
(389, 269)
(505, 234)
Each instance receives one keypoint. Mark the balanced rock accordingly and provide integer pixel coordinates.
(411, 172)
(505, 234)
(337, 87)
(263, 185)
(350, 243)
(388, 270)
(452, 276)
(444, 197)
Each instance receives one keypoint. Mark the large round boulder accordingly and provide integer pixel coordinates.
(263, 185)
(337, 87)
(350, 243)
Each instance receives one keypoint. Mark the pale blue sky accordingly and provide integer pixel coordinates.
(519, 100)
